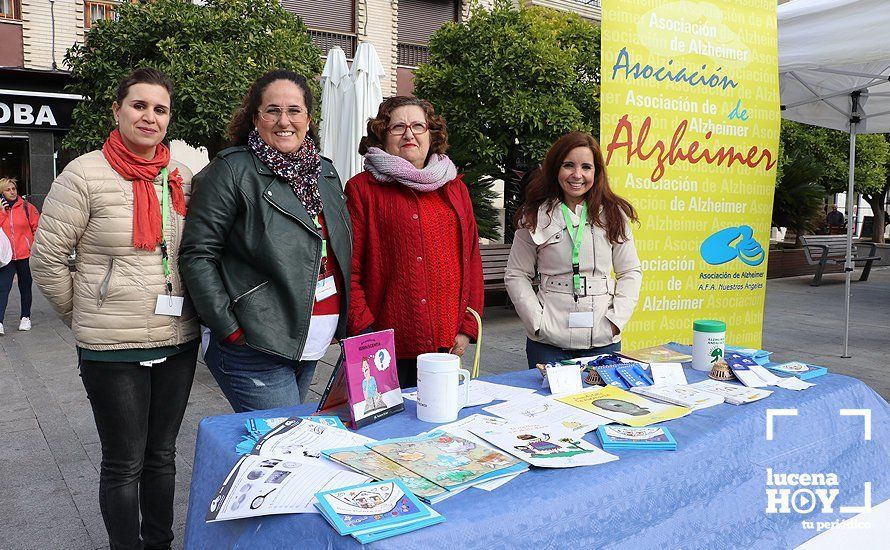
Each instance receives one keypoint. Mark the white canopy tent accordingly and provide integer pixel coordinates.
(834, 71)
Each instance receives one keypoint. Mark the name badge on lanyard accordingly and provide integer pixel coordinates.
(166, 304)
(326, 286)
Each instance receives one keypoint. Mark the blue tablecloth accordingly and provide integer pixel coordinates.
(710, 493)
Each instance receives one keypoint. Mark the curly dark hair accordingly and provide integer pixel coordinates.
(377, 126)
(544, 187)
(242, 123)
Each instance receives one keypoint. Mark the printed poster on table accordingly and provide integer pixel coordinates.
(689, 131)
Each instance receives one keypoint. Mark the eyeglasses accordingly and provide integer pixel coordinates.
(273, 114)
(417, 128)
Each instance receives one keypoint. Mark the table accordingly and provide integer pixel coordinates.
(710, 493)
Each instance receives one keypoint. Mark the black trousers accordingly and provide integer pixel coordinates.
(22, 269)
(138, 411)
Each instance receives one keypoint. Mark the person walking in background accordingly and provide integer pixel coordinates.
(573, 231)
(267, 248)
(123, 209)
(19, 220)
(416, 266)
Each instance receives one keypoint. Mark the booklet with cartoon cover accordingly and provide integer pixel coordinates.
(545, 446)
(364, 460)
(656, 354)
(804, 371)
(364, 386)
(378, 507)
(615, 437)
(447, 460)
(623, 406)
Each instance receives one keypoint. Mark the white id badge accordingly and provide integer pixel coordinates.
(169, 305)
(581, 319)
(325, 288)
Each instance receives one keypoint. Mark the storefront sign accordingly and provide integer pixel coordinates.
(689, 129)
(35, 112)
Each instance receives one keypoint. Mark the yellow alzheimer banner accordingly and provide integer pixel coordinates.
(690, 131)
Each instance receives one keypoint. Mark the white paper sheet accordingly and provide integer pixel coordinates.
(668, 374)
(294, 437)
(547, 411)
(564, 379)
(482, 393)
(260, 486)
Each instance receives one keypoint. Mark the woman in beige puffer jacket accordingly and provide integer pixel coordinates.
(137, 336)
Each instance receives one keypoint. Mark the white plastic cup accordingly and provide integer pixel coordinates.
(440, 395)
(708, 336)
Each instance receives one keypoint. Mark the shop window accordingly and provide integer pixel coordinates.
(94, 12)
(10, 9)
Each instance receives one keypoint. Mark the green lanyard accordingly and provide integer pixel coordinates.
(165, 210)
(324, 242)
(577, 238)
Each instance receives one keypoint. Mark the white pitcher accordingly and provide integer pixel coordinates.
(440, 395)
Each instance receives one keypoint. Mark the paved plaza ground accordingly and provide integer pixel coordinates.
(50, 453)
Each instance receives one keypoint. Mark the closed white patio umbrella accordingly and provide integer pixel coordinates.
(366, 74)
(337, 97)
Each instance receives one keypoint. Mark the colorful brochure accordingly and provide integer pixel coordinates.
(377, 508)
(610, 376)
(804, 371)
(449, 461)
(365, 461)
(624, 437)
(684, 396)
(732, 393)
(634, 375)
(364, 386)
(656, 354)
(624, 407)
(545, 446)
(539, 409)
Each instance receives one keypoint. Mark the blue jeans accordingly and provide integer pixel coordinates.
(254, 380)
(536, 352)
(138, 411)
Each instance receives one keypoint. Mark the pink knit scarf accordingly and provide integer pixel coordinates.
(438, 171)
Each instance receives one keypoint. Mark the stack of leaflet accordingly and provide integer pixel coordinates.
(659, 354)
(761, 357)
(755, 376)
(375, 511)
(804, 371)
(625, 375)
(731, 393)
(617, 438)
(432, 465)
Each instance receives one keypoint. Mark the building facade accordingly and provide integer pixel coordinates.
(35, 111)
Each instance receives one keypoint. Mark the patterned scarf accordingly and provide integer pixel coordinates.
(142, 172)
(300, 169)
(438, 171)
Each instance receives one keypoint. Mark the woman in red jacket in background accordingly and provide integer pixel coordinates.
(415, 265)
(18, 218)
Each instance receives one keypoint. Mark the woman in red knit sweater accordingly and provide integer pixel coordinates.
(415, 265)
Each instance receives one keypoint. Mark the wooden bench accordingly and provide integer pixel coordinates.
(822, 250)
(494, 265)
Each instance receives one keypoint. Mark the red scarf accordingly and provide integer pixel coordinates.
(146, 208)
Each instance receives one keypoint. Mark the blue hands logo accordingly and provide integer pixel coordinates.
(719, 248)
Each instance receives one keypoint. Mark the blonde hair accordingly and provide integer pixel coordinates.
(4, 182)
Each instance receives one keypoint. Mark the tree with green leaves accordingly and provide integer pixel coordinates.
(212, 53)
(509, 82)
(829, 151)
